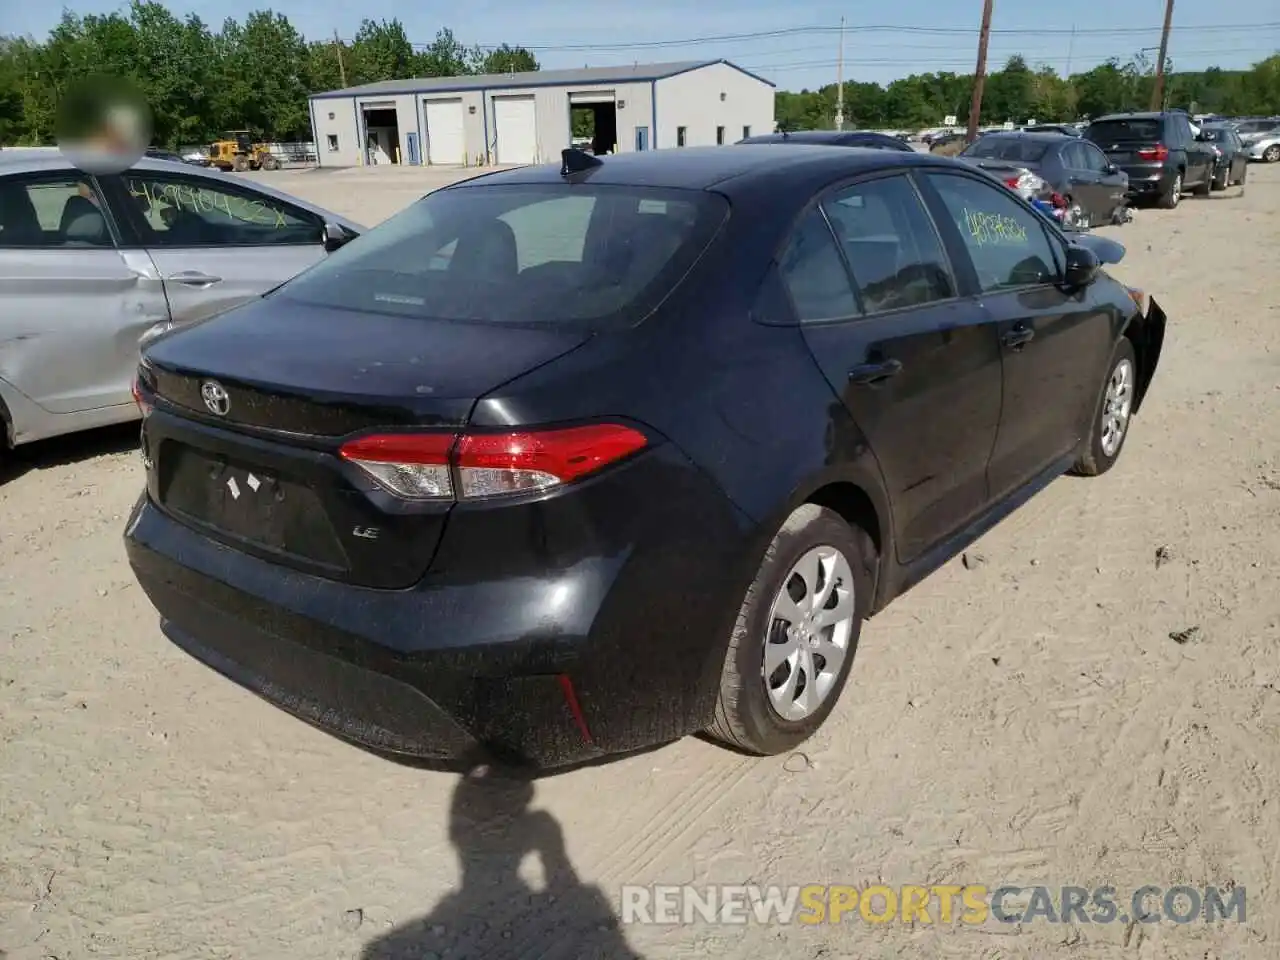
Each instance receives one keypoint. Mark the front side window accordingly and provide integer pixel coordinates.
(66, 212)
(192, 212)
(1094, 158)
(890, 244)
(522, 254)
(1007, 243)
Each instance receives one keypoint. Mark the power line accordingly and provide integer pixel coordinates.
(884, 28)
(966, 61)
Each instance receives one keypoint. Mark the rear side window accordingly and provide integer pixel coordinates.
(1006, 242)
(540, 254)
(890, 244)
(1118, 131)
(814, 274)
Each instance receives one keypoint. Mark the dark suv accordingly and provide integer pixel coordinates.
(1158, 151)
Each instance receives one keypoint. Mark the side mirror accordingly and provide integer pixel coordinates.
(1112, 168)
(334, 236)
(1082, 267)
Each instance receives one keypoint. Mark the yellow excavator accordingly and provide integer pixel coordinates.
(238, 152)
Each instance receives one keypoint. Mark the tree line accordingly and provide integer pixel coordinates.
(202, 82)
(1019, 92)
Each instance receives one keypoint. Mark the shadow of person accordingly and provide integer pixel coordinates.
(494, 913)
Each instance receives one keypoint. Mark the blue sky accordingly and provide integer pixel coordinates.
(574, 34)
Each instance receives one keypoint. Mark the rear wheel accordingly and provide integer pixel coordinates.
(1170, 198)
(1221, 178)
(269, 162)
(796, 634)
(240, 164)
(1110, 424)
(1204, 188)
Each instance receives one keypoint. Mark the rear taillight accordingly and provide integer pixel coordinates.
(446, 466)
(143, 407)
(1027, 184)
(1158, 153)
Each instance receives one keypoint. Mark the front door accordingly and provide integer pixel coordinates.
(215, 245)
(916, 364)
(76, 306)
(411, 142)
(642, 138)
(1053, 342)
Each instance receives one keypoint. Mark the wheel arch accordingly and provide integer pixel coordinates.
(1146, 333)
(6, 426)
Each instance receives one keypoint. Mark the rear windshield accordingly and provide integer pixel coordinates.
(1112, 131)
(1006, 148)
(541, 254)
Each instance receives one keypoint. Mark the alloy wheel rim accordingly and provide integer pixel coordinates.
(809, 629)
(1177, 190)
(1116, 407)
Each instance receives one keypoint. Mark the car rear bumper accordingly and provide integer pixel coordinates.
(592, 658)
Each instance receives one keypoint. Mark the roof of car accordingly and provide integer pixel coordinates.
(1143, 115)
(1028, 135)
(700, 168)
(818, 136)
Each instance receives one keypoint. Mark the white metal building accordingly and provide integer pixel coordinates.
(516, 118)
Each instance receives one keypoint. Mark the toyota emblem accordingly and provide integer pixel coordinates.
(215, 397)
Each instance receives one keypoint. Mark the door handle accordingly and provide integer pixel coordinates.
(866, 374)
(193, 278)
(1018, 337)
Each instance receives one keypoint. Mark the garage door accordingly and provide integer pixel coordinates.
(445, 140)
(516, 130)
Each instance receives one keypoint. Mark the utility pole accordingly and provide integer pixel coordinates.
(980, 74)
(840, 81)
(1157, 91)
(1071, 49)
(342, 67)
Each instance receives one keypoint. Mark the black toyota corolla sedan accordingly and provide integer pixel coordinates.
(569, 460)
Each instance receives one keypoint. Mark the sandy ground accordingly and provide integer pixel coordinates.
(1026, 718)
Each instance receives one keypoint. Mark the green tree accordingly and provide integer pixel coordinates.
(381, 51)
(505, 59)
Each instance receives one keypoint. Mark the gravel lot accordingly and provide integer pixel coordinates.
(1027, 717)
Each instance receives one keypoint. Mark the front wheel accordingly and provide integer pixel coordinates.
(1272, 153)
(796, 634)
(1110, 425)
(1221, 179)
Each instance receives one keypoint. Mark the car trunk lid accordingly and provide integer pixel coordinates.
(250, 410)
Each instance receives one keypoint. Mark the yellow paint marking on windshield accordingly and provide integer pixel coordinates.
(994, 229)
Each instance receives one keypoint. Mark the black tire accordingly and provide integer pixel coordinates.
(240, 164)
(1172, 196)
(745, 717)
(1205, 188)
(1222, 180)
(1094, 459)
(1271, 154)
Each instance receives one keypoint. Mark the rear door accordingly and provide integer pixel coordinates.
(915, 362)
(1053, 343)
(75, 305)
(1111, 182)
(215, 245)
(1084, 182)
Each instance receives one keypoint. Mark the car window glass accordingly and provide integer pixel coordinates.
(52, 213)
(542, 254)
(1094, 158)
(890, 244)
(1074, 158)
(182, 212)
(814, 274)
(1006, 242)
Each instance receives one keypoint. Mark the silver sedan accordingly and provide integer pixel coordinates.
(93, 266)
